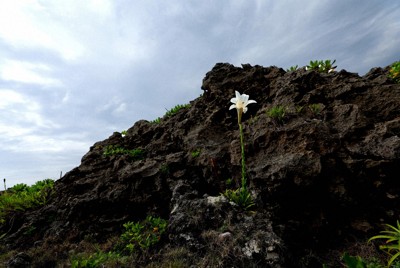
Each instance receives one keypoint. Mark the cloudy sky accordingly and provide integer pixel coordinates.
(73, 72)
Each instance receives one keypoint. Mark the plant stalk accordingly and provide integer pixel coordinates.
(244, 181)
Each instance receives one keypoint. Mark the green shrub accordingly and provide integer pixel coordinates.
(164, 169)
(322, 66)
(299, 109)
(195, 153)
(392, 243)
(156, 121)
(241, 197)
(277, 113)
(98, 259)
(315, 108)
(358, 262)
(394, 71)
(21, 197)
(292, 68)
(171, 112)
(143, 235)
(174, 110)
(117, 150)
(138, 237)
(229, 182)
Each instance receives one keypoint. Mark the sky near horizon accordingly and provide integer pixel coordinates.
(73, 72)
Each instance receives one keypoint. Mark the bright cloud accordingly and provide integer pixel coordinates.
(29, 25)
(20, 115)
(28, 72)
(35, 143)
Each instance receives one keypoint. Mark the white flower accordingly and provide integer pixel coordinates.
(241, 102)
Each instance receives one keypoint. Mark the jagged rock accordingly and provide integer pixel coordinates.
(319, 177)
(20, 260)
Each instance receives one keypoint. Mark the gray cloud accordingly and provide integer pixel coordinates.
(73, 72)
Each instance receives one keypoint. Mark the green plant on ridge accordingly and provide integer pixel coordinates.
(171, 112)
(299, 109)
(277, 113)
(322, 66)
(175, 109)
(164, 169)
(394, 71)
(392, 243)
(229, 182)
(195, 153)
(118, 150)
(315, 108)
(292, 68)
(241, 196)
(156, 121)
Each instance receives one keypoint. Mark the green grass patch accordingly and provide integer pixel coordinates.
(241, 197)
(195, 153)
(292, 68)
(175, 109)
(143, 235)
(22, 197)
(394, 72)
(171, 112)
(277, 113)
(134, 243)
(111, 150)
(322, 66)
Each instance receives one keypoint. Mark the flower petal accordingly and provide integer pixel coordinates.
(237, 95)
(232, 106)
(245, 98)
(251, 101)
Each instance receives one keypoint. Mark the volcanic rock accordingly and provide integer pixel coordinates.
(323, 178)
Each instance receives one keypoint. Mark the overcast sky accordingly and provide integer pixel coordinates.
(72, 72)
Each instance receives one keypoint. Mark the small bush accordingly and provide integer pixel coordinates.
(156, 121)
(394, 71)
(322, 66)
(241, 197)
(164, 169)
(117, 150)
(195, 153)
(170, 112)
(229, 182)
(315, 108)
(98, 259)
(143, 235)
(292, 68)
(174, 110)
(277, 113)
(391, 246)
(21, 197)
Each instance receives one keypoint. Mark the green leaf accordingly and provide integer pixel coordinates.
(353, 262)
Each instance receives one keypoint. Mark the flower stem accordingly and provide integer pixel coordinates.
(244, 184)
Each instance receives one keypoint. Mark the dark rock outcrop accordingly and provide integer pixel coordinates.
(323, 178)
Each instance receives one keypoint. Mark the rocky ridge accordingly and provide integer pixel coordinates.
(322, 179)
